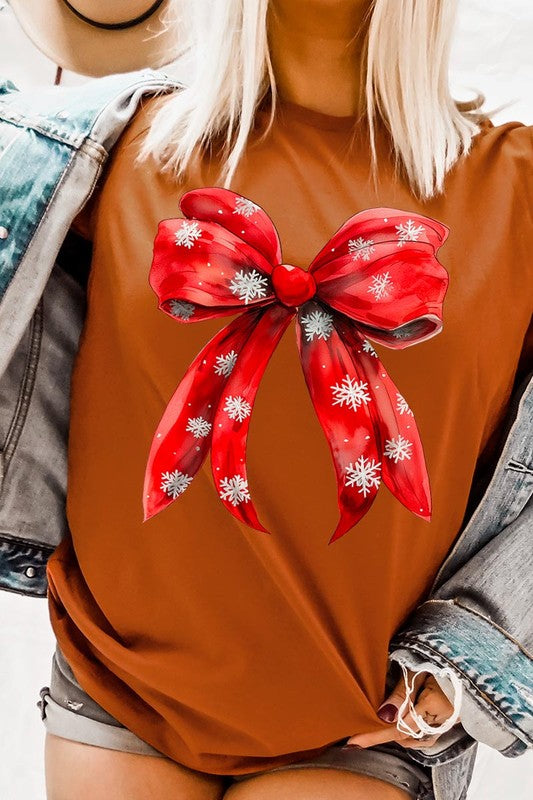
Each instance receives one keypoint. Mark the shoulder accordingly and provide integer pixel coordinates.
(124, 149)
(141, 120)
(507, 143)
(498, 167)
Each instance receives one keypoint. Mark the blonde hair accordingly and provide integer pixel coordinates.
(404, 81)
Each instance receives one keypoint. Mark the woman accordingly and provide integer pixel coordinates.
(259, 654)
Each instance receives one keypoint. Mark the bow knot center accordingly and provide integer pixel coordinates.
(293, 285)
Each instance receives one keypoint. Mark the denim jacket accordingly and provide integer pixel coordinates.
(474, 630)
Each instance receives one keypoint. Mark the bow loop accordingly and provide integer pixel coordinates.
(380, 269)
(201, 270)
(396, 299)
(361, 232)
(238, 214)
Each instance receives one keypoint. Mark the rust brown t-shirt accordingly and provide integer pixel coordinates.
(227, 649)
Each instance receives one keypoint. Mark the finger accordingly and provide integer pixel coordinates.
(388, 710)
(376, 737)
(431, 705)
(419, 744)
(392, 735)
(432, 689)
(433, 702)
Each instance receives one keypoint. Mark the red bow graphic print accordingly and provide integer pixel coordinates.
(377, 278)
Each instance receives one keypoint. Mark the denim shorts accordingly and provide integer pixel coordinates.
(68, 711)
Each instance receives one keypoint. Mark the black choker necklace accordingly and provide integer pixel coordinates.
(116, 25)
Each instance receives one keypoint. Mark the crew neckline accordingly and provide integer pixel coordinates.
(288, 110)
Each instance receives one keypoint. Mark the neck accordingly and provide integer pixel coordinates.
(316, 52)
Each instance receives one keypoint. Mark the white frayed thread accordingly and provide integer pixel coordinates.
(525, 693)
(408, 705)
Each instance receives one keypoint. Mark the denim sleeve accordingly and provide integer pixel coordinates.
(478, 629)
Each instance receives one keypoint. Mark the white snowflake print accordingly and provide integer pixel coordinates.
(188, 233)
(319, 324)
(405, 334)
(402, 405)
(235, 490)
(361, 248)
(248, 285)
(237, 407)
(381, 285)
(175, 483)
(245, 207)
(181, 309)
(225, 363)
(398, 448)
(350, 392)
(367, 347)
(408, 232)
(198, 426)
(365, 473)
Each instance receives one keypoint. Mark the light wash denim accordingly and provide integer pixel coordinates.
(475, 629)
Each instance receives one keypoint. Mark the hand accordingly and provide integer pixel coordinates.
(431, 704)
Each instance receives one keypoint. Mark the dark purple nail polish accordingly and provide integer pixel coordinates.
(388, 712)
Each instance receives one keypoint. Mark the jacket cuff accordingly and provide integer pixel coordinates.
(497, 706)
(472, 719)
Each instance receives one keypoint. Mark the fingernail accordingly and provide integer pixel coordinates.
(352, 746)
(387, 712)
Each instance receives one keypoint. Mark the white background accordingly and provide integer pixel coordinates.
(491, 53)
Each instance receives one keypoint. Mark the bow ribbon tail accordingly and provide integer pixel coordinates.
(341, 401)
(233, 415)
(403, 466)
(183, 436)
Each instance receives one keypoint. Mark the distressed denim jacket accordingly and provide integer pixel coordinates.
(475, 629)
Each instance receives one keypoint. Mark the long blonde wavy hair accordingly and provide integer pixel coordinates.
(404, 80)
